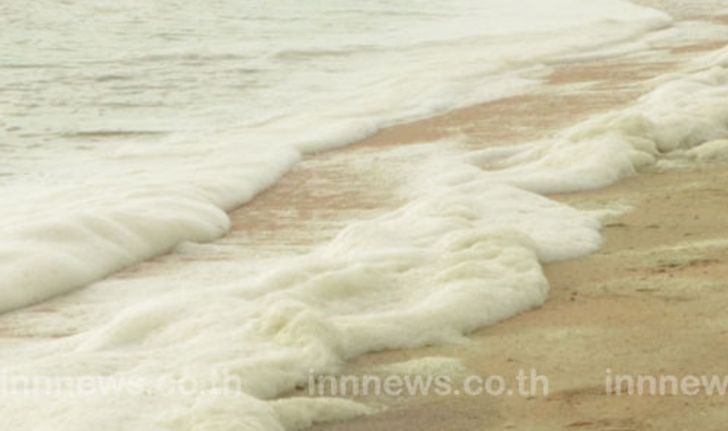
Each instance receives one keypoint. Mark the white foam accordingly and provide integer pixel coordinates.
(656, 44)
(455, 258)
(677, 118)
(711, 150)
(464, 252)
(100, 228)
(136, 161)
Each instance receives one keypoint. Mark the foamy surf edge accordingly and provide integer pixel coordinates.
(49, 253)
(465, 252)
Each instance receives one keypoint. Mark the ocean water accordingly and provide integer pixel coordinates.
(131, 127)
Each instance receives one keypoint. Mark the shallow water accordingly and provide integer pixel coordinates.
(137, 123)
(135, 128)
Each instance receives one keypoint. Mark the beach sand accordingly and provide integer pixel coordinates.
(651, 301)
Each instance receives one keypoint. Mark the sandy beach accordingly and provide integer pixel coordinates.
(650, 302)
(270, 296)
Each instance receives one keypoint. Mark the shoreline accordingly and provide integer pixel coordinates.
(589, 324)
(328, 190)
(649, 302)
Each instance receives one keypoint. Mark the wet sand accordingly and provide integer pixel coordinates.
(650, 301)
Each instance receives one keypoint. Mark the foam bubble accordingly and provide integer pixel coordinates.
(685, 115)
(711, 150)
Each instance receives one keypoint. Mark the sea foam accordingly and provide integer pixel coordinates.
(684, 117)
(111, 224)
(112, 165)
(465, 252)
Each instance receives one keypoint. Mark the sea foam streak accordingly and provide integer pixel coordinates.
(465, 252)
(107, 226)
(684, 117)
